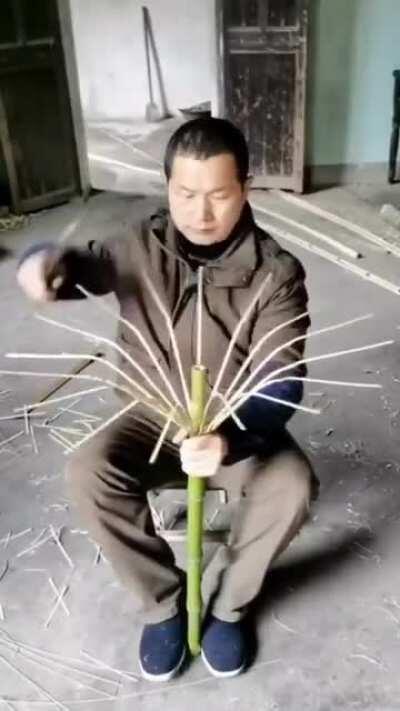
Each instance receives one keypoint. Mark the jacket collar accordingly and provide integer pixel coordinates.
(233, 268)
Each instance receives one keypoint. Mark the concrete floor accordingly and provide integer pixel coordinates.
(327, 625)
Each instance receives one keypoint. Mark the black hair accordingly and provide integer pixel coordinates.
(207, 137)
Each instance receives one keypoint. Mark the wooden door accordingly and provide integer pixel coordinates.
(36, 131)
(262, 83)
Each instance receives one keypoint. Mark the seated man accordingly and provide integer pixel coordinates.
(266, 475)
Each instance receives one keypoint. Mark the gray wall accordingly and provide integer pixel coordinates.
(111, 60)
(354, 47)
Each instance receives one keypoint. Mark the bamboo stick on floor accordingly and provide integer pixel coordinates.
(325, 254)
(337, 220)
(339, 246)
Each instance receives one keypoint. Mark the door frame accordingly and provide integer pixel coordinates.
(294, 182)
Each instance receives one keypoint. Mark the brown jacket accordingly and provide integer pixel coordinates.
(230, 282)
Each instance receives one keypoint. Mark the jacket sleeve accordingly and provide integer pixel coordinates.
(264, 418)
(92, 267)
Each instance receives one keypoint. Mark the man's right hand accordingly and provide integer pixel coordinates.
(41, 274)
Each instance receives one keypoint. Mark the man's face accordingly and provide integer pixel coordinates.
(205, 197)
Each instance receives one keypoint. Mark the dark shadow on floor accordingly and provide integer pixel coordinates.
(288, 578)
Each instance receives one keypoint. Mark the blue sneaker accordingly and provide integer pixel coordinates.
(223, 649)
(162, 649)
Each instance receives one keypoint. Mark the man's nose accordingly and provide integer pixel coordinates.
(204, 212)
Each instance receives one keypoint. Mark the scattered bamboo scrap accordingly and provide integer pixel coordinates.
(4, 571)
(46, 534)
(369, 659)
(57, 539)
(32, 683)
(36, 543)
(88, 667)
(282, 624)
(130, 676)
(52, 664)
(59, 602)
(13, 536)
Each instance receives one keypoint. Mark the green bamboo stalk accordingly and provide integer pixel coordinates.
(196, 490)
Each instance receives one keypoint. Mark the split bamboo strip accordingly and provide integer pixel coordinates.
(108, 422)
(324, 356)
(108, 309)
(116, 347)
(67, 376)
(294, 406)
(272, 376)
(344, 383)
(42, 403)
(234, 416)
(231, 408)
(170, 328)
(259, 345)
(297, 339)
(86, 377)
(74, 356)
(232, 342)
(160, 441)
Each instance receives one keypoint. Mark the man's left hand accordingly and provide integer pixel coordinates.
(202, 456)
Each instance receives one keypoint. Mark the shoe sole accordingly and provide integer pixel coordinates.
(220, 674)
(163, 677)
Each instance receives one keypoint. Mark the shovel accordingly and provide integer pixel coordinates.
(153, 112)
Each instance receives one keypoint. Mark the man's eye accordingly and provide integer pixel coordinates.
(221, 196)
(188, 196)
